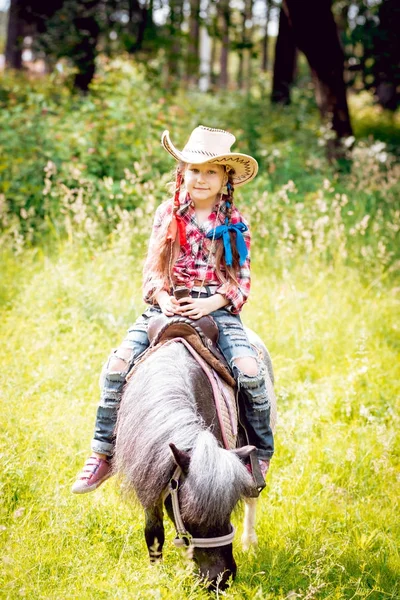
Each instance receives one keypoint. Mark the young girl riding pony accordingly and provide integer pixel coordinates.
(199, 241)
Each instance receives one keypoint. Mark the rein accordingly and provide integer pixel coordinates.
(184, 537)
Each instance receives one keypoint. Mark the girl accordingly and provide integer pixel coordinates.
(199, 241)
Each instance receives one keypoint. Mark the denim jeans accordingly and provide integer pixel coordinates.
(233, 343)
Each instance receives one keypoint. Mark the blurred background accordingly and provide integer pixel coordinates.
(265, 68)
(195, 42)
(311, 89)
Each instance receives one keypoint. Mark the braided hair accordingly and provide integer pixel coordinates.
(230, 272)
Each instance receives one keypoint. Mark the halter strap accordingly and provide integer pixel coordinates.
(184, 537)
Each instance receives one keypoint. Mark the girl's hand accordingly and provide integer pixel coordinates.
(168, 304)
(195, 308)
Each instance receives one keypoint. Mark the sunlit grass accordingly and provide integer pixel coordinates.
(327, 524)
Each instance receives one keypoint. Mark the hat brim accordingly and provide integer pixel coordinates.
(245, 167)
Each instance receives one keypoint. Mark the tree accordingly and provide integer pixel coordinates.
(285, 61)
(192, 61)
(264, 41)
(245, 46)
(60, 28)
(318, 39)
(225, 19)
(175, 39)
(372, 46)
(15, 34)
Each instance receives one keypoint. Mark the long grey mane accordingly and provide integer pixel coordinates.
(159, 407)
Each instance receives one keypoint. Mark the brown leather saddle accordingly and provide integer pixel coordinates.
(201, 334)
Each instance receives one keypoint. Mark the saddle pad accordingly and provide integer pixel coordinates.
(224, 399)
(224, 394)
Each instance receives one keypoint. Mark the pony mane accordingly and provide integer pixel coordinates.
(159, 407)
(216, 481)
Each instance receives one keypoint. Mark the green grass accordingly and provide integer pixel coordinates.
(328, 522)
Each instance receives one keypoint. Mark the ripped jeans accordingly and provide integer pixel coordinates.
(233, 343)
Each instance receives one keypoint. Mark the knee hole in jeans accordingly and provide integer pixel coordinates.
(247, 365)
(120, 359)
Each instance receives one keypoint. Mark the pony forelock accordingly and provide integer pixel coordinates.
(216, 481)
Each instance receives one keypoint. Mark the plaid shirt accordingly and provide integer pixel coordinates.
(196, 260)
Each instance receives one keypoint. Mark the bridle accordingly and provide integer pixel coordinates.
(184, 538)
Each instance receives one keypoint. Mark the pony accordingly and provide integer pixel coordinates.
(169, 451)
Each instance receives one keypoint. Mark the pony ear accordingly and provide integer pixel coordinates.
(181, 458)
(243, 452)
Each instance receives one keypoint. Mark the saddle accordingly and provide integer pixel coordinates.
(202, 335)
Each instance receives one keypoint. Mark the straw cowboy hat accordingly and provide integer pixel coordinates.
(214, 145)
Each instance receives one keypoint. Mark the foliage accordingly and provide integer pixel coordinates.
(83, 166)
(373, 48)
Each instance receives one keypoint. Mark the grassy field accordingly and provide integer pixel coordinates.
(79, 181)
(328, 521)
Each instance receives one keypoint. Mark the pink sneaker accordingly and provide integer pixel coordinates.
(95, 471)
(264, 466)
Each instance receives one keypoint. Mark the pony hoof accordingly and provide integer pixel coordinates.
(248, 541)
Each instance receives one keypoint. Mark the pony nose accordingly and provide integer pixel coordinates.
(218, 580)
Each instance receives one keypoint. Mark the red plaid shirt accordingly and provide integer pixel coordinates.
(196, 260)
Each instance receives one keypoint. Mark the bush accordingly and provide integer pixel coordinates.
(86, 166)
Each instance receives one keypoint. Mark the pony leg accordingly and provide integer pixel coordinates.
(249, 536)
(154, 532)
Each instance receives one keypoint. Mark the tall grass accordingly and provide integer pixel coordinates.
(327, 521)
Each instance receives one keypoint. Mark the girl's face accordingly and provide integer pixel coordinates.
(204, 182)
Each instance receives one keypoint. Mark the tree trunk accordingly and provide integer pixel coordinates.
(387, 52)
(241, 50)
(15, 35)
(84, 51)
(138, 22)
(264, 42)
(245, 48)
(175, 51)
(193, 58)
(318, 39)
(225, 43)
(205, 54)
(213, 57)
(249, 44)
(285, 61)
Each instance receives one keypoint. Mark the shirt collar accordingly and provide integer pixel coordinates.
(186, 206)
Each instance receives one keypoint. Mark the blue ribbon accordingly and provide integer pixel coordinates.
(223, 231)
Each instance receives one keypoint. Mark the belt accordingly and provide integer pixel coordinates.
(200, 282)
(206, 289)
